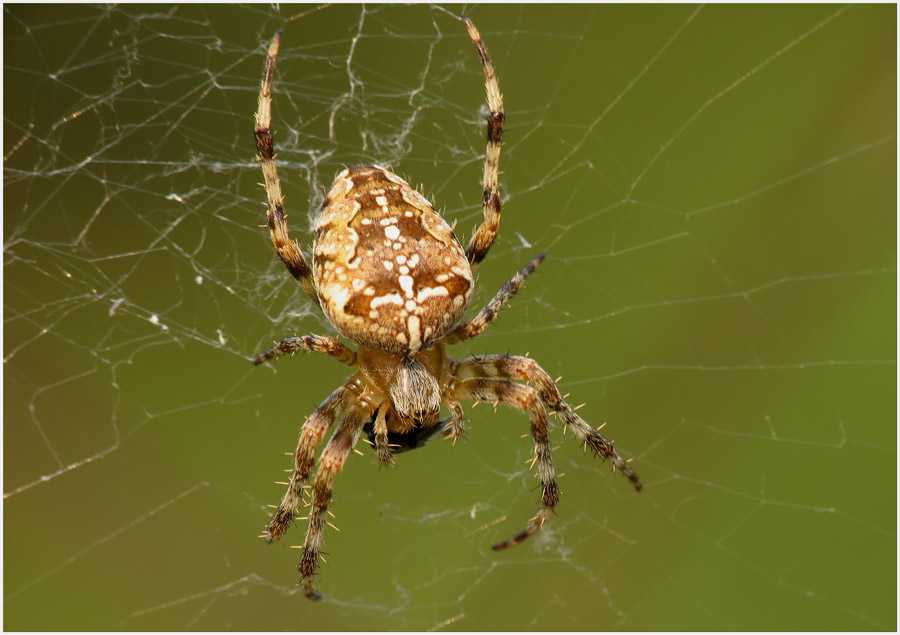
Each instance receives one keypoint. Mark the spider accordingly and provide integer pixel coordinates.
(391, 275)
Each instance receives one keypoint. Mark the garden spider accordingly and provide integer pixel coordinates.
(391, 276)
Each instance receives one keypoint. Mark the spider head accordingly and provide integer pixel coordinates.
(415, 393)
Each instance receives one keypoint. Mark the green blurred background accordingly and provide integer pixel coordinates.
(714, 188)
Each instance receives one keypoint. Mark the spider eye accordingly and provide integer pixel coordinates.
(415, 393)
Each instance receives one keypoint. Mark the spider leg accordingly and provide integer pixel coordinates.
(475, 326)
(317, 343)
(524, 398)
(287, 249)
(333, 458)
(526, 369)
(311, 433)
(490, 200)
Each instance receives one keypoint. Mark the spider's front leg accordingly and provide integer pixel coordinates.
(524, 398)
(526, 369)
(333, 458)
(311, 434)
(315, 427)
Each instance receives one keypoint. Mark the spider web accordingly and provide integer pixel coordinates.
(715, 191)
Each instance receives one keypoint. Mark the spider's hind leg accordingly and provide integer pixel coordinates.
(487, 231)
(287, 249)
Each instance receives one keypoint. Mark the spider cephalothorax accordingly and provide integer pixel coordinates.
(391, 276)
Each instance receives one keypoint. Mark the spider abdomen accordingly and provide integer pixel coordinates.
(390, 273)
